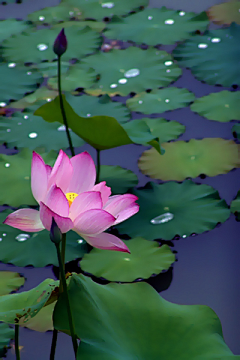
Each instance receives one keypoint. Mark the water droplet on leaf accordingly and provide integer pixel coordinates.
(184, 236)
(215, 40)
(11, 65)
(150, 17)
(182, 13)
(140, 102)
(62, 128)
(113, 86)
(108, 5)
(8, 130)
(80, 241)
(7, 165)
(2, 104)
(22, 237)
(167, 100)
(41, 18)
(202, 46)
(169, 22)
(25, 116)
(168, 63)
(132, 73)
(122, 81)
(33, 135)
(161, 219)
(42, 47)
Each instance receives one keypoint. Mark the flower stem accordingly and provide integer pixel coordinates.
(62, 107)
(98, 166)
(54, 343)
(16, 339)
(63, 250)
(65, 292)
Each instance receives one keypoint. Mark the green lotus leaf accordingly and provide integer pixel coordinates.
(94, 25)
(10, 281)
(34, 100)
(210, 156)
(212, 57)
(131, 70)
(173, 209)
(55, 14)
(102, 132)
(95, 9)
(114, 322)
(159, 101)
(157, 26)
(86, 106)
(6, 334)
(27, 130)
(15, 177)
(26, 304)
(120, 180)
(222, 106)
(24, 248)
(235, 206)
(42, 322)
(77, 76)
(11, 26)
(225, 13)
(146, 259)
(165, 130)
(236, 131)
(38, 46)
(138, 131)
(16, 80)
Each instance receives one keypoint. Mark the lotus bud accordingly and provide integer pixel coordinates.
(55, 233)
(60, 44)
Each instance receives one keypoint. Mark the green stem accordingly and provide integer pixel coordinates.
(62, 107)
(54, 343)
(98, 166)
(65, 291)
(63, 250)
(16, 338)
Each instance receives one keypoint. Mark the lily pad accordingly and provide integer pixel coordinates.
(131, 70)
(87, 106)
(16, 80)
(26, 304)
(210, 156)
(102, 132)
(15, 177)
(11, 26)
(37, 46)
(55, 14)
(157, 26)
(114, 322)
(212, 57)
(10, 281)
(6, 334)
(95, 9)
(163, 129)
(146, 259)
(173, 209)
(94, 25)
(77, 76)
(42, 322)
(235, 206)
(236, 131)
(36, 249)
(159, 101)
(120, 180)
(27, 130)
(222, 106)
(225, 13)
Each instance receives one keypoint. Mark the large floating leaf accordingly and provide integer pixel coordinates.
(15, 177)
(37, 46)
(27, 130)
(26, 304)
(10, 281)
(102, 132)
(16, 81)
(236, 131)
(132, 70)
(55, 14)
(210, 156)
(11, 26)
(120, 180)
(95, 9)
(94, 25)
(163, 129)
(77, 77)
(173, 209)
(157, 26)
(212, 57)
(159, 101)
(22, 248)
(222, 106)
(86, 106)
(146, 259)
(6, 334)
(235, 206)
(225, 13)
(132, 321)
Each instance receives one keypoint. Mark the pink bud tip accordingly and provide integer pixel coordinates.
(60, 44)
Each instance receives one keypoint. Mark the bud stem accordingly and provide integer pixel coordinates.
(98, 166)
(16, 339)
(62, 106)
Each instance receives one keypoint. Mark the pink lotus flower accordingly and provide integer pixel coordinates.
(67, 193)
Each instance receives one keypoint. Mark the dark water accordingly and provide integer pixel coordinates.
(208, 267)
